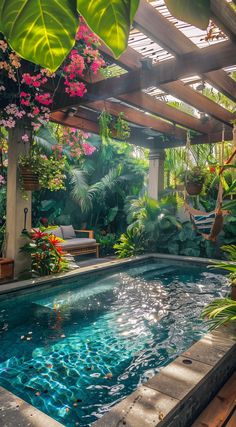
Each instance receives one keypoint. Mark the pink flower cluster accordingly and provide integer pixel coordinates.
(75, 143)
(29, 99)
(2, 180)
(84, 57)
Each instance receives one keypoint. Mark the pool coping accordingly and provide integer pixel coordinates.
(174, 397)
(16, 286)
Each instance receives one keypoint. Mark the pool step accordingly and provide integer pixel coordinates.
(158, 272)
(143, 269)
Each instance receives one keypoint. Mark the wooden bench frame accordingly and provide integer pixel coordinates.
(86, 249)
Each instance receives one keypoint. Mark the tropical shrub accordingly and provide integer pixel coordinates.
(130, 244)
(47, 256)
(151, 225)
(107, 242)
(223, 310)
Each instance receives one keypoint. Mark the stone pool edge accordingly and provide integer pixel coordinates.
(178, 394)
(18, 285)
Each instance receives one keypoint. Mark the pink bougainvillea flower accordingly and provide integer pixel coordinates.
(2, 180)
(25, 138)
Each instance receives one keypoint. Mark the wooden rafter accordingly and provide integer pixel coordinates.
(154, 25)
(210, 58)
(225, 17)
(160, 108)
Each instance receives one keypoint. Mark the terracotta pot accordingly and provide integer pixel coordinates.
(30, 179)
(193, 188)
(6, 268)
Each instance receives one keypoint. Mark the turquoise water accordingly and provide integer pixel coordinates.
(75, 350)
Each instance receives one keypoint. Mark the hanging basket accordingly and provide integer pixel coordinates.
(194, 188)
(30, 179)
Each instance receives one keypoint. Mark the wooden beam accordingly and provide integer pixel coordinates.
(210, 58)
(225, 17)
(139, 118)
(154, 25)
(202, 103)
(137, 136)
(130, 59)
(62, 118)
(161, 109)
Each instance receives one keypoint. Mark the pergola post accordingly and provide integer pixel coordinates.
(156, 172)
(15, 201)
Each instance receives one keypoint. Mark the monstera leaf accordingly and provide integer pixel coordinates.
(110, 20)
(195, 12)
(41, 31)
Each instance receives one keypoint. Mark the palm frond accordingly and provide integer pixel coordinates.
(80, 191)
(220, 312)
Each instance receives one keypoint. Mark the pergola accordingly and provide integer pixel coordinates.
(166, 60)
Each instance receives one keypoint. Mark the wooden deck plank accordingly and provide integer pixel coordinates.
(219, 409)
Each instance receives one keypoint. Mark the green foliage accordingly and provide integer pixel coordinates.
(50, 171)
(96, 188)
(110, 20)
(130, 243)
(105, 120)
(122, 128)
(220, 312)
(108, 126)
(195, 175)
(195, 12)
(150, 224)
(107, 242)
(46, 254)
(42, 32)
(230, 250)
(223, 310)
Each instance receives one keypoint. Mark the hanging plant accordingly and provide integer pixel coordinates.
(109, 126)
(194, 181)
(122, 128)
(40, 171)
(105, 126)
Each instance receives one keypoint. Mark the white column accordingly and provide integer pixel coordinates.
(15, 201)
(156, 172)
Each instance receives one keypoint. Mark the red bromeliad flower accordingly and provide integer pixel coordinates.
(212, 169)
(37, 234)
(54, 240)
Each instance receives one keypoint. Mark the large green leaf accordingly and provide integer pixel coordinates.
(110, 20)
(41, 31)
(195, 12)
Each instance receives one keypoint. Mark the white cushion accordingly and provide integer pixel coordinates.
(73, 243)
(57, 232)
(68, 232)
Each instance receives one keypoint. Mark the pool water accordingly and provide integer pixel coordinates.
(74, 350)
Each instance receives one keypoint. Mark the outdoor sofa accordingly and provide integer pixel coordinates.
(76, 245)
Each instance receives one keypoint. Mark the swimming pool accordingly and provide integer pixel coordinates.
(76, 349)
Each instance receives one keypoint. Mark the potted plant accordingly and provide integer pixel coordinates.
(194, 181)
(47, 256)
(28, 168)
(40, 171)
